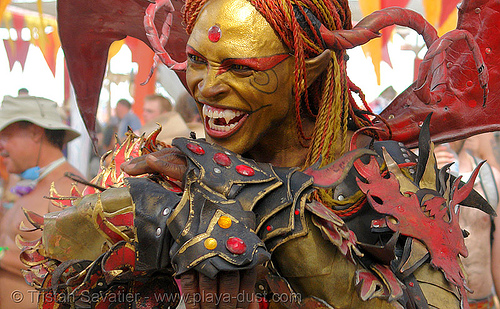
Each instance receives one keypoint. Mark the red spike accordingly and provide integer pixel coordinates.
(34, 218)
(459, 194)
(333, 173)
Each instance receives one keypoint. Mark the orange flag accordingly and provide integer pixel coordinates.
(50, 49)
(442, 14)
(377, 49)
(3, 6)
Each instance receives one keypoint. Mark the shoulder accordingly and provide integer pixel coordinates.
(60, 179)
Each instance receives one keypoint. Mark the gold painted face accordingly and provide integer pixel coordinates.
(241, 75)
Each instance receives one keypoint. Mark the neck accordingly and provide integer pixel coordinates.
(283, 147)
(48, 154)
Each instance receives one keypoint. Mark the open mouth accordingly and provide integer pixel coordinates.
(221, 122)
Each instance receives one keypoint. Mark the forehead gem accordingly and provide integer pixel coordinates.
(214, 33)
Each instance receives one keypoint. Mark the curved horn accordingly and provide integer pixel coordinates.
(433, 66)
(157, 42)
(368, 28)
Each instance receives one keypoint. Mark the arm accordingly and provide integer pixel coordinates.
(203, 269)
(495, 248)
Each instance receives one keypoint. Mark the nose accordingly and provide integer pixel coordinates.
(212, 84)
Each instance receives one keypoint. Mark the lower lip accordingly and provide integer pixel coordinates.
(224, 134)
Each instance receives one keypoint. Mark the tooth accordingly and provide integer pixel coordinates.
(232, 125)
(205, 111)
(228, 115)
(211, 123)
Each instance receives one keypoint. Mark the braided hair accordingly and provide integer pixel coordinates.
(328, 100)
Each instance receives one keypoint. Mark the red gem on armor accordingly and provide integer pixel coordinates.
(470, 83)
(297, 212)
(245, 170)
(214, 33)
(410, 284)
(269, 228)
(195, 148)
(222, 159)
(488, 50)
(236, 245)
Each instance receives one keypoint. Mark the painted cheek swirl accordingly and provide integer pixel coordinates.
(265, 81)
(265, 78)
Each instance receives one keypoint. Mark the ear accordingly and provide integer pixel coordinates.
(317, 65)
(37, 132)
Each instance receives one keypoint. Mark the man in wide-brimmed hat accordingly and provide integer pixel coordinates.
(32, 135)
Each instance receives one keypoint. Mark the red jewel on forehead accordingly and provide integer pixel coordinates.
(214, 33)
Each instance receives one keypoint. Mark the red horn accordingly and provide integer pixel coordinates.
(368, 28)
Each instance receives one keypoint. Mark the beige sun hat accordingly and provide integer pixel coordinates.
(40, 111)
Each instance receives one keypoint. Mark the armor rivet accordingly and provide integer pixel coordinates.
(401, 144)
(407, 160)
(405, 155)
(210, 243)
(261, 287)
(166, 211)
(411, 284)
(269, 228)
(99, 283)
(297, 212)
(236, 245)
(158, 231)
(403, 150)
(470, 83)
(412, 171)
(340, 197)
(420, 123)
(488, 50)
(227, 152)
(449, 64)
(224, 222)
(217, 170)
(477, 10)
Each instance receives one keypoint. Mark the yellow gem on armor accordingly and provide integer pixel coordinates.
(210, 243)
(225, 222)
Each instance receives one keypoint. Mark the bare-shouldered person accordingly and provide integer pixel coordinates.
(32, 135)
(480, 265)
